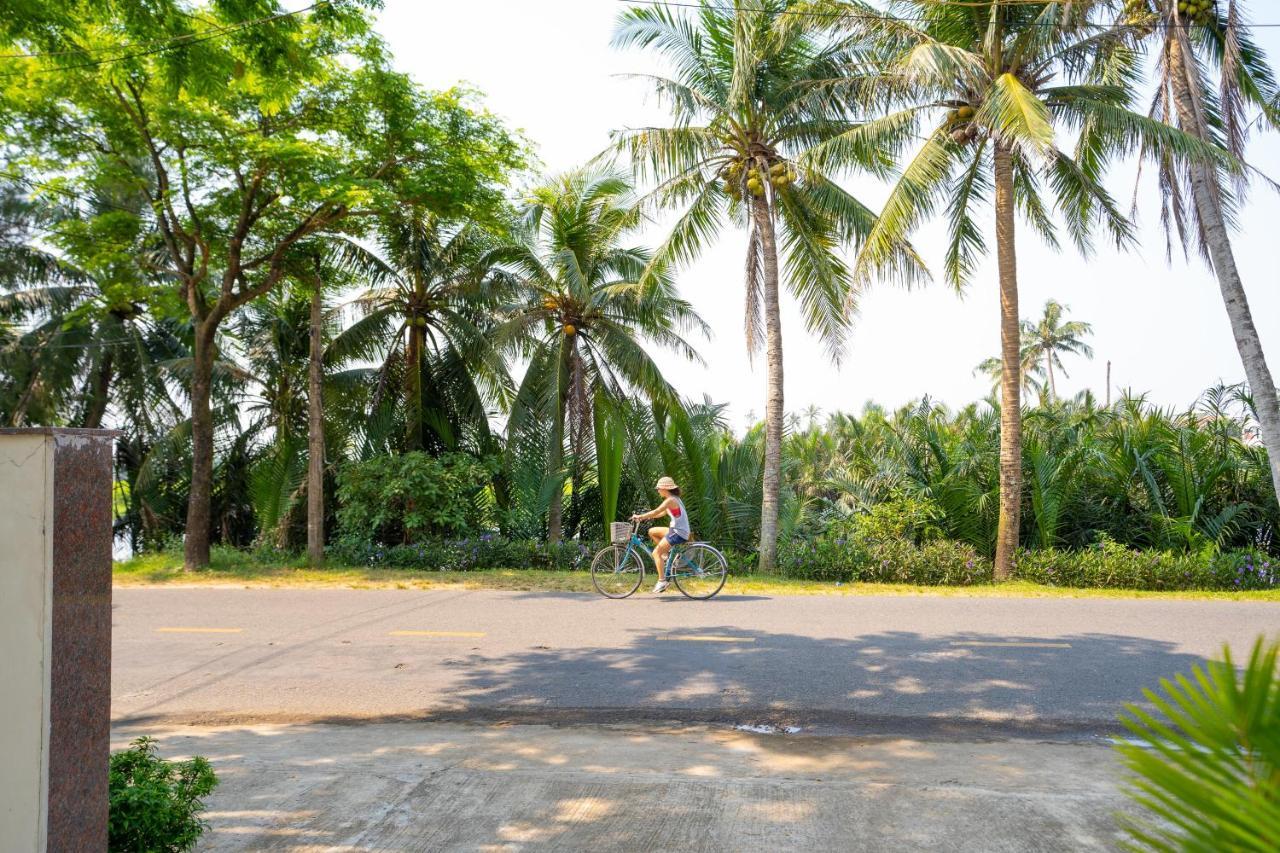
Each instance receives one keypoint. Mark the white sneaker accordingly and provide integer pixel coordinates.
(660, 586)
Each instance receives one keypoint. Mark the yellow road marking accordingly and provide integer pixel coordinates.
(1015, 645)
(199, 630)
(437, 633)
(706, 638)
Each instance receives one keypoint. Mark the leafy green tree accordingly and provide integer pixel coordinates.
(587, 305)
(1211, 77)
(259, 128)
(986, 84)
(753, 144)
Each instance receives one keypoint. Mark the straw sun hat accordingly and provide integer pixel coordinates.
(666, 483)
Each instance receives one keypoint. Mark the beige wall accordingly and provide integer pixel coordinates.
(26, 555)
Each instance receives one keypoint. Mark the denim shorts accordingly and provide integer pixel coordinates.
(675, 538)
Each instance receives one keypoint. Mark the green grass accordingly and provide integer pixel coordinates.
(233, 568)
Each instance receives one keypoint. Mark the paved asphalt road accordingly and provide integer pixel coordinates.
(860, 664)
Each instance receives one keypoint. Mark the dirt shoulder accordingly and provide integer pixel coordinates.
(163, 570)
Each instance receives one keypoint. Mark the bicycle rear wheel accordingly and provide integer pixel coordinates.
(617, 571)
(700, 571)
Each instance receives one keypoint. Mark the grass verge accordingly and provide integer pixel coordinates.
(241, 570)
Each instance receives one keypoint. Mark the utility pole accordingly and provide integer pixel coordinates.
(1108, 383)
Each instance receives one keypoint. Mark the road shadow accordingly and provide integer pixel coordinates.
(897, 681)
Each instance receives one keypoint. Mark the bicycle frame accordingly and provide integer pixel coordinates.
(637, 542)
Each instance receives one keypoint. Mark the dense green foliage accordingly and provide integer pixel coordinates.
(1206, 760)
(155, 804)
(413, 496)
(173, 221)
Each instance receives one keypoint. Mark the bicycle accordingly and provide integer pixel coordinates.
(617, 571)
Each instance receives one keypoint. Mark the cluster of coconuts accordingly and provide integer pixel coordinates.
(960, 121)
(418, 320)
(779, 175)
(1197, 11)
(1139, 15)
(549, 303)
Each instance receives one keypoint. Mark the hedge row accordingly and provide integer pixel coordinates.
(937, 562)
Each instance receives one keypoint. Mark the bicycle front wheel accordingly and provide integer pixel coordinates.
(617, 571)
(700, 571)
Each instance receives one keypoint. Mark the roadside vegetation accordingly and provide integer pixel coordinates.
(340, 322)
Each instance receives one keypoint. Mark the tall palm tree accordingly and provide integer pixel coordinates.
(424, 320)
(753, 143)
(1045, 341)
(588, 303)
(986, 84)
(1197, 197)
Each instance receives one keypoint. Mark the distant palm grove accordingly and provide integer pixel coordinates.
(337, 314)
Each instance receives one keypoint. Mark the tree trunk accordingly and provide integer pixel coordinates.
(196, 547)
(555, 510)
(413, 387)
(1011, 369)
(19, 414)
(1053, 386)
(315, 436)
(99, 393)
(774, 415)
(1204, 188)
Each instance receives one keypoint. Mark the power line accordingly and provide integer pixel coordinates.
(226, 28)
(868, 16)
(179, 41)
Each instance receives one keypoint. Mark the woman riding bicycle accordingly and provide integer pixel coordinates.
(666, 537)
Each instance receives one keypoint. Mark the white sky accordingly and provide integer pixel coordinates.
(547, 68)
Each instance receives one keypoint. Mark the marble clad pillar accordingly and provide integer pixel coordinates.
(55, 638)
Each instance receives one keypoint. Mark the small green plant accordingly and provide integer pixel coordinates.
(156, 804)
(1207, 765)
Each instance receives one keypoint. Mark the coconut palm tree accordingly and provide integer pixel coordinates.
(587, 304)
(81, 337)
(423, 320)
(986, 85)
(1197, 46)
(1045, 340)
(752, 143)
(1033, 376)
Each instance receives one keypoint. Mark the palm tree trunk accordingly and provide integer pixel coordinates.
(315, 436)
(99, 395)
(413, 387)
(1053, 386)
(774, 414)
(555, 467)
(1204, 188)
(1011, 369)
(19, 414)
(196, 546)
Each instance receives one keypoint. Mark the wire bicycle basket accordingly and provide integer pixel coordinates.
(619, 532)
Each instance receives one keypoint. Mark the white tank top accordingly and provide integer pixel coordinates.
(679, 518)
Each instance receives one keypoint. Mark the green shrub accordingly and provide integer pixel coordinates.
(1206, 763)
(156, 804)
(917, 520)
(886, 560)
(1111, 565)
(485, 551)
(395, 499)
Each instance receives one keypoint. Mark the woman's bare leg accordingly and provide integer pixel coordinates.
(660, 557)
